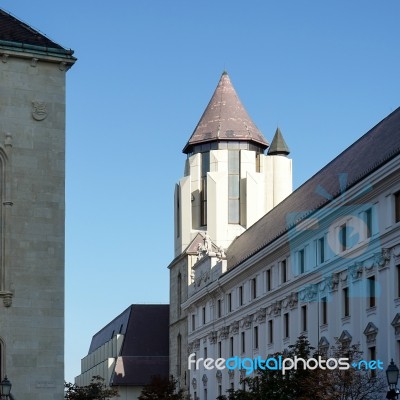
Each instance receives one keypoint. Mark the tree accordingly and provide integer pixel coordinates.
(96, 390)
(316, 384)
(161, 389)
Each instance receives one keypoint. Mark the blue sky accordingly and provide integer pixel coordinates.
(324, 71)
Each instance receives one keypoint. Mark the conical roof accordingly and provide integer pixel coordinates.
(278, 145)
(225, 119)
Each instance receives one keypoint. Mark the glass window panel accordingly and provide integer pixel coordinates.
(233, 162)
(233, 211)
(233, 186)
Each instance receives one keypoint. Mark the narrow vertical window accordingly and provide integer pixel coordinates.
(258, 162)
(220, 390)
(193, 322)
(321, 250)
(368, 223)
(324, 310)
(270, 331)
(233, 187)
(178, 212)
(179, 284)
(219, 349)
(229, 302)
(304, 318)
(231, 346)
(371, 291)
(179, 355)
(269, 279)
(343, 237)
(204, 315)
(346, 302)
(286, 325)
(205, 394)
(301, 261)
(205, 352)
(243, 336)
(255, 337)
(372, 357)
(397, 207)
(283, 271)
(254, 288)
(219, 308)
(205, 167)
(398, 279)
(240, 295)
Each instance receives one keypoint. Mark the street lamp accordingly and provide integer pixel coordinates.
(5, 388)
(392, 375)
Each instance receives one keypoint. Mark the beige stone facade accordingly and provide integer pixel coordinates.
(32, 157)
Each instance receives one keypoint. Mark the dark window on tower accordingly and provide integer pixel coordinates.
(178, 213)
(179, 283)
(233, 187)
(205, 167)
(179, 355)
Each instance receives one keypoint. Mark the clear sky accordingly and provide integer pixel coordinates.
(325, 71)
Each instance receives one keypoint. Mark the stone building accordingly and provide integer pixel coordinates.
(323, 261)
(229, 183)
(32, 173)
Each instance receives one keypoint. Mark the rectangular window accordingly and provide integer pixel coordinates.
(256, 337)
(269, 279)
(205, 394)
(254, 288)
(301, 261)
(229, 302)
(371, 291)
(233, 187)
(240, 295)
(283, 271)
(205, 167)
(324, 310)
(304, 318)
(398, 279)
(243, 336)
(346, 302)
(270, 331)
(219, 349)
(205, 352)
(372, 356)
(321, 250)
(193, 322)
(179, 355)
(286, 325)
(368, 223)
(343, 237)
(204, 315)
(397, 206)
(231, 346)
(219, 308)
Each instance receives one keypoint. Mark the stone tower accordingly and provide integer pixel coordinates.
(32, 174)
(228, 184)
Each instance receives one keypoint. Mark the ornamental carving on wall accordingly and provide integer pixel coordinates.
(212, 337)
(261, 315)
(39, 110)
(235, 327)
(224, 333)
(370, 332)
(246, 323)
(196, 345)
(356, 270)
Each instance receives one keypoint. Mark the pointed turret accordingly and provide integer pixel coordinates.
(278, 145)
(225, 119)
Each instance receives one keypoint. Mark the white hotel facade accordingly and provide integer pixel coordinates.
(323, 261)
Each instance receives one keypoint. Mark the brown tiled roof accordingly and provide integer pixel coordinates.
(225, 118)
(145, 350)
(375, 148)
(13, 30)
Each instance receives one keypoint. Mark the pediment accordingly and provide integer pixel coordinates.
(345, 337)
(370, 329)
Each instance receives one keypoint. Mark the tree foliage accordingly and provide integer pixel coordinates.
(161, 389)
(96, 390)
(317, 384)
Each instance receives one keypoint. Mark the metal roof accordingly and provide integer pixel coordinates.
(224, 119)
(278, 145)
(371, 151)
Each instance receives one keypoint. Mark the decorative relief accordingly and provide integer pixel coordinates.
(62, 66)
(39, 110)
(8, 141)
(212, 337)
(4, 58)
(208, 249)
(323, 345)
(345, 338)
(235, 327)
(231, 374)
(34, 62)
(384, 258)
(370, 332)
(205, 340)
(205, 380)
(7, 298)
(246, 324)
(261, 315)
(224, 333)
(190, 348)
(276, 308)
(309, 293)
(333, 281)
(218, 375)
(196, 345)
(293, 299)
(356, 270)
(194, 383)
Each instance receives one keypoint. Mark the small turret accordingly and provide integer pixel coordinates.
(278, 145)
